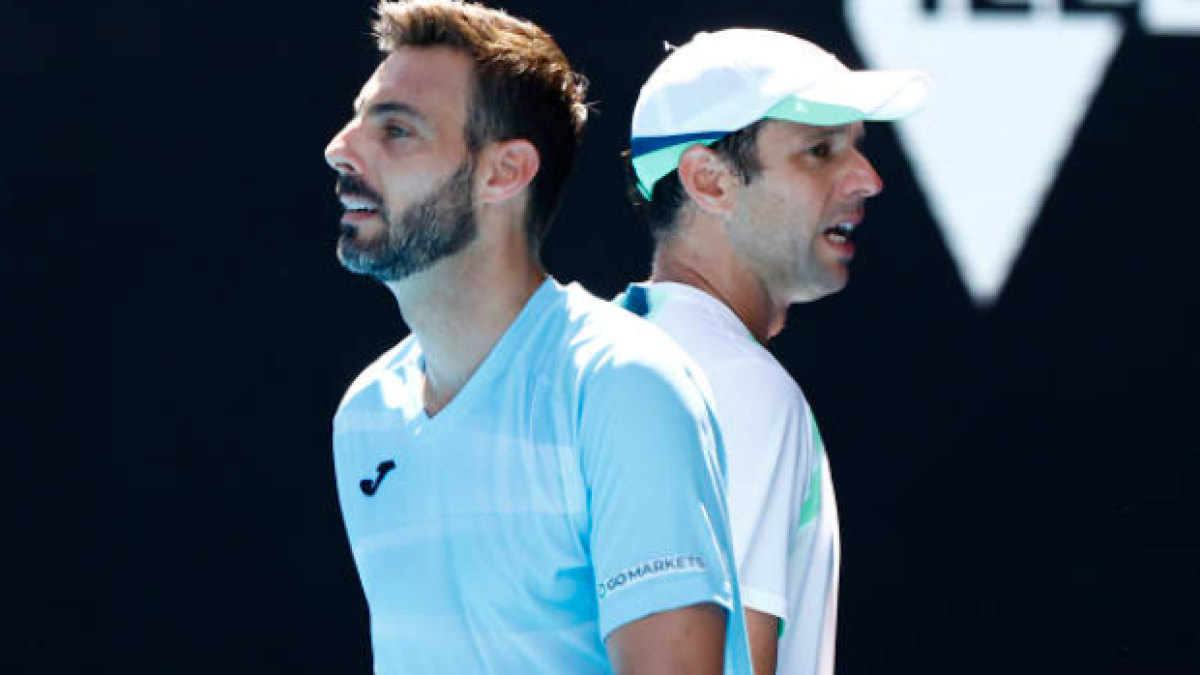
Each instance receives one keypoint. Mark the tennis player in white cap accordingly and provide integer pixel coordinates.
(746, 167)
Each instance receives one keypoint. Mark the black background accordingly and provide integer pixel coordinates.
(1018, 486)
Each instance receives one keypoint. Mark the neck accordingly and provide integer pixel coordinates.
(699, 255)
(461, 307)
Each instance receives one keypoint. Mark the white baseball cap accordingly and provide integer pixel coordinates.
(721, 82)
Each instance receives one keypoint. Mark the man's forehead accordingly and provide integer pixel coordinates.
(433, 79)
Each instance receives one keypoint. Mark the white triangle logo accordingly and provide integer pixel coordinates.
(1011, 90)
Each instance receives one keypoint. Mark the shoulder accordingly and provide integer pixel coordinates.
(747, 370)
(735, 365)
(623, 369)
(609, 341)
(378, 370)
(760, 407)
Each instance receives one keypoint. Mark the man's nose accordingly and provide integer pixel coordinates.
(861, 181)
(340, 154)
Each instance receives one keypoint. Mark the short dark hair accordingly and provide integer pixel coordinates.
(661, 211)
(524, 86)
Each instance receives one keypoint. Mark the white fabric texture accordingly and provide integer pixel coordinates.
(783, 513)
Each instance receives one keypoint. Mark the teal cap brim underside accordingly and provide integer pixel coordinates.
(652, 166)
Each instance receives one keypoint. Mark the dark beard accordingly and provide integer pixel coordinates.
(437, 227)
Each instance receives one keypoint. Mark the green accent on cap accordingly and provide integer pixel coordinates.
(652, 166)
(796, 109)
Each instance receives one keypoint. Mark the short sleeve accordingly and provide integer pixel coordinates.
(768, 451)
(658, 532)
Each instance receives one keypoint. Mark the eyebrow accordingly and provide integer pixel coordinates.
(387, 108)
(823, 133)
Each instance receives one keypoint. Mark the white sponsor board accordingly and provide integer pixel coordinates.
(1015, 78)
(1011, 91)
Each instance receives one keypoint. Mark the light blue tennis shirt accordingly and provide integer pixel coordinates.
(572, 486)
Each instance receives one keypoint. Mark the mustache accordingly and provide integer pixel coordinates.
(348, 184)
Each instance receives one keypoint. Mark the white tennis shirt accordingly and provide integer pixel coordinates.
(781, 503)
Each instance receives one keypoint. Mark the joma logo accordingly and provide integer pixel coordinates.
(371, 486)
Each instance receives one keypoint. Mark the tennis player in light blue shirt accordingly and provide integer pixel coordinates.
(532, 480)
(572, 486)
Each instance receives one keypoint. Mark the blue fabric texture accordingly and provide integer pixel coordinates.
(574, 485)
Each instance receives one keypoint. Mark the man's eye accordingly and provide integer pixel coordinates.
(820, 150)
(394, 131)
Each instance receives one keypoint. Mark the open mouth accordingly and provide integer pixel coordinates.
(358, 205)
(839, 233)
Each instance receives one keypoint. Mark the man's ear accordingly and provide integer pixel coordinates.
(707, 179)
(505, 168)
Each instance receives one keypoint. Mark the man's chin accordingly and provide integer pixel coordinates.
(357, 260)
(836, 276)
(832, 282)
(838, 281)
